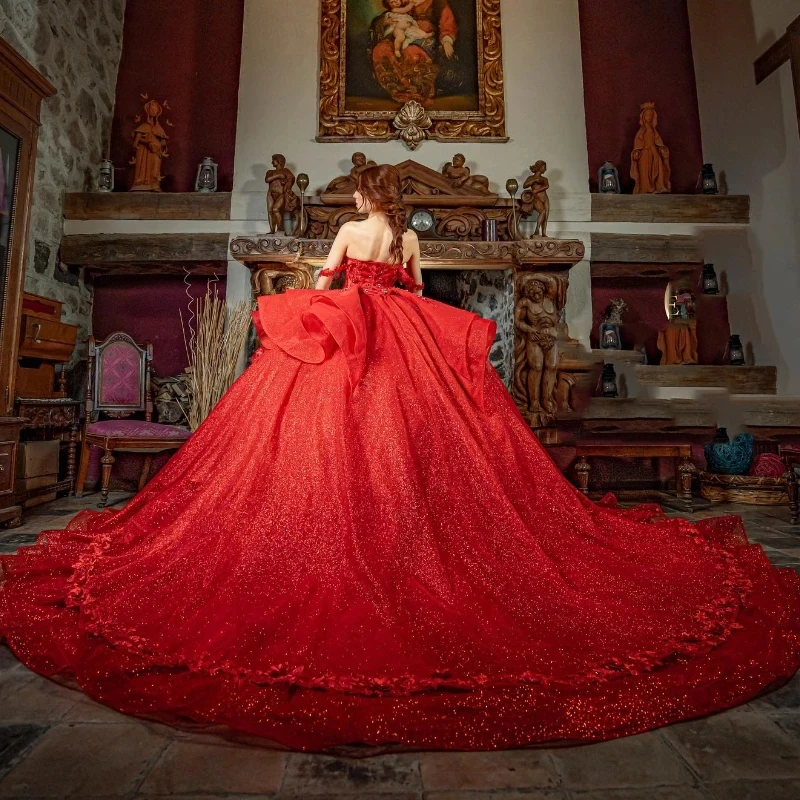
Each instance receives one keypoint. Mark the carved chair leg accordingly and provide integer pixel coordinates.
(792, 491)
(83, 469)
(107, 461)
(686, 470)
(582, 469)
(148, 460)
(71, 451)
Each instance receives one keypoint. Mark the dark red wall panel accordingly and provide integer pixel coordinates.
(635, 51)
(187, 52)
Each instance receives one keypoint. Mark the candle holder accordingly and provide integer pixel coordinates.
(302, 185)
(512, 187)
(206, 180)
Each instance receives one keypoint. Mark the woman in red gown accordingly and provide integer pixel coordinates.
(365, 543)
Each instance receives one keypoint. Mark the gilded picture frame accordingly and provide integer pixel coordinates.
(439, 62)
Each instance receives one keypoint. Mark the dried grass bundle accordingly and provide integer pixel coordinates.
(214, 337)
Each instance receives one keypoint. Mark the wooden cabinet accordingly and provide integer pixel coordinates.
(22, 90)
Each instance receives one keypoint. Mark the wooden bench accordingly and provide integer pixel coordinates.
(682, 453)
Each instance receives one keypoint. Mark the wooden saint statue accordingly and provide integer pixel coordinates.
(650, 157)
(534, 197)
(281, 198)
(461, 177)
(347, 183)
(150, 148)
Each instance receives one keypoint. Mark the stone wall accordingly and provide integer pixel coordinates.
(76, 45)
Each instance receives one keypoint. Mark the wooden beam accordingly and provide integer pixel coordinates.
(142, 248)
(645, 248)
(690, 208)
(147, 205)
(669, 272)
(737, 380)
(775, 57)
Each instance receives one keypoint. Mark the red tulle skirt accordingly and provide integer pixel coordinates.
(364, 543)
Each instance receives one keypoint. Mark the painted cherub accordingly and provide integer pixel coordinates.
(400, 24)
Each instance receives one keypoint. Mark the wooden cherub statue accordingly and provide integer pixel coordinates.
(150, 147)
(281, 198)
(461, 176)
(534, 197)
(347, 183)
(650, 157)
(536, 317)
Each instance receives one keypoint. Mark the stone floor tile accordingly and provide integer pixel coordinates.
(14, 741)
(734, 746)
(635, 761)
(510, 769)
(26, 697)
(785, 698)
(648, 793)
(8, 660)
(363, 795)
(315, 776)
(755, 790)
(87, 710)
(507, 794)
(790, 723)
(215, 767)
(84, 761)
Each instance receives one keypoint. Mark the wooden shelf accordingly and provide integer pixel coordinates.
(645, 248)
(644, 271)
(144, 253)
(147, 205)
(737, 380)
(689, 208)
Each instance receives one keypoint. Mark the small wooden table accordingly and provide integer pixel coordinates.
(682, 453)
(791, 458)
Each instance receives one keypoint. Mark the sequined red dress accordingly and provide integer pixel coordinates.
(365, 543)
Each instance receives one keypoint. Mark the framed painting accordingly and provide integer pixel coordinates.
(440, 58)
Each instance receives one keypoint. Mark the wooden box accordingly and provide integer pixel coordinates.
(37, 458)
(36, 381)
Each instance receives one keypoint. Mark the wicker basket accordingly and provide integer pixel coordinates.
(748, 489)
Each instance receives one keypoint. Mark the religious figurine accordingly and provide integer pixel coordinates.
(150, 145)
(281, 197)
(346, 184)
(461, 176)
(650, 157)
(536, 354)
(534, 197)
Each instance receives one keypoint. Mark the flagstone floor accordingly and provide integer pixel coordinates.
(56, 743)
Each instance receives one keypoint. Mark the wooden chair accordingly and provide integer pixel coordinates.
(118, 387)
(791, 459)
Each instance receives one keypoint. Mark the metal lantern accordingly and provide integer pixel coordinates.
(608, 179)
(206, 180)
(105, 176)
(608, 381)
(709, 279)
(735, 351)
(609, 336)
(708, 180)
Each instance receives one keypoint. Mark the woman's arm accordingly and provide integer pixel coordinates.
(414, 263)
(334, 259)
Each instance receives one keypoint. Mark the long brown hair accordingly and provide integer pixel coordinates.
(380, 186)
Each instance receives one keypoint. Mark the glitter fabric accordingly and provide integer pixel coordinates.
(364, 543)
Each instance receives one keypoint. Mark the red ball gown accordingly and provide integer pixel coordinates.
(365, 543)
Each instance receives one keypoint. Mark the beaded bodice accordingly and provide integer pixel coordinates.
(373, 277)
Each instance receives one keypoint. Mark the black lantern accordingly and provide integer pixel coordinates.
(708, 180)
(735, 351)
(608, 381)
(710, 283)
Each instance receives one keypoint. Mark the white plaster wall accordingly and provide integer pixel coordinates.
(750, 133)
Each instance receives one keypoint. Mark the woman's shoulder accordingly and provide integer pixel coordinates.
(410, 236)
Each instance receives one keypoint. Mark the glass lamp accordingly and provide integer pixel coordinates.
(608, 179)
(105, 176)
(206, 180)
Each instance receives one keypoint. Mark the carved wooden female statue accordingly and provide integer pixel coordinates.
(150, 144)
(650, 157)
(282, 199)
(534, 197)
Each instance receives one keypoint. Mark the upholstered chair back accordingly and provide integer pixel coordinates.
(119, 377)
